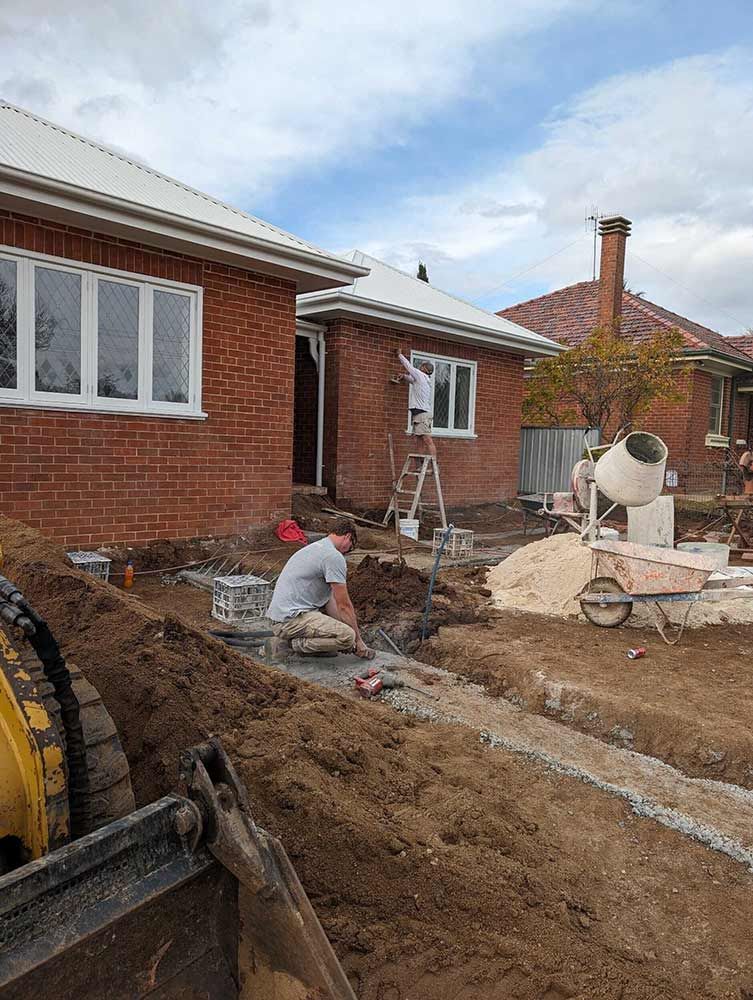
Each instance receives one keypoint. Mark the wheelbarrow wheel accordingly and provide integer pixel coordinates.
(606, 615)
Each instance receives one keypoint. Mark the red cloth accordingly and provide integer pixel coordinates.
(288, 531)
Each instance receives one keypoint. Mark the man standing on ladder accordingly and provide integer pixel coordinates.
(419, 402)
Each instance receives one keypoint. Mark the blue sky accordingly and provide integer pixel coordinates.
(472, 134)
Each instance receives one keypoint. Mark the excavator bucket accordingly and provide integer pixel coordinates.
(186, 898)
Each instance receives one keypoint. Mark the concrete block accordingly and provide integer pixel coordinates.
(653, 524)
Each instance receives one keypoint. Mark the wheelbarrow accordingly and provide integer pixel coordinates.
(625, 573)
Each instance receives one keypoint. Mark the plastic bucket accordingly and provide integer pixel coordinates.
(409, 527)
(610, 533)
(631, 473)
(718, 550)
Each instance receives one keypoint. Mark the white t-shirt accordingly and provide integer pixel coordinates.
(305, 583)
(419, 393)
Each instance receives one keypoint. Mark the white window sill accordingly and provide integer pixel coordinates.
(717, 441)
(121, 411)
(448, 434)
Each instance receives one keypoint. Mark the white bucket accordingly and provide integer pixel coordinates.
(718, 550)
(632, 472)
(409, 527)
(610, 533)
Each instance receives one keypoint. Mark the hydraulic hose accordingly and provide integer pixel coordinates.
(43, 643)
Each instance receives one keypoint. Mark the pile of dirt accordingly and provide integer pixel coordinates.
(380, 587)
(440, 868)
(546, 578)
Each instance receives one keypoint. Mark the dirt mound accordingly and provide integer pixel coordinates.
(378, 587)
(441, 870)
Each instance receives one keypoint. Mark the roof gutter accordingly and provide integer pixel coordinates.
(66, 197)
(344, 303)
(719, 358)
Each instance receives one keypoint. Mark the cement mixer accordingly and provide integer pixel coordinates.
(629, 473)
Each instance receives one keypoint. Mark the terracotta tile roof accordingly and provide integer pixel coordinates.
(569, 314)
(743, 343)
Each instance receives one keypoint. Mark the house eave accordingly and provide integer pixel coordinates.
(341, 304)
(717, 360)
(36, 195)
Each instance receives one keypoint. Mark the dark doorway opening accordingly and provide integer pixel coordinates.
(305, 405)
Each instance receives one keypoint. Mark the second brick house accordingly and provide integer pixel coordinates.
(715, 411)
(478, 386)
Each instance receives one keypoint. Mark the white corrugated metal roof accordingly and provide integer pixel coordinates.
(393, 293)
(42, 149)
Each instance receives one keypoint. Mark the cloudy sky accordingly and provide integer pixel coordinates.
(474, 134)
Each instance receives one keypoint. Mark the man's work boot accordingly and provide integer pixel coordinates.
(276, 650)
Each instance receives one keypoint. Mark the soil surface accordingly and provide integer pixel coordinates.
(688, 705)
(441, 868)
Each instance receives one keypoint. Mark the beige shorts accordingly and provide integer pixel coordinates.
(314, 632)
(422, 424)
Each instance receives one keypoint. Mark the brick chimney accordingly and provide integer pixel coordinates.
(614, 232)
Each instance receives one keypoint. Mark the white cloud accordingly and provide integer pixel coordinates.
(235, 96)
(669, 148)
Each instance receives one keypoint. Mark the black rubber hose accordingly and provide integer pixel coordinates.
(56, 671)
(243, 643)
(264, 633)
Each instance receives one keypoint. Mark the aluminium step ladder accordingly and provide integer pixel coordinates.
(415, 468)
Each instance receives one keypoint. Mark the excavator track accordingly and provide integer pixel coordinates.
(110, 793)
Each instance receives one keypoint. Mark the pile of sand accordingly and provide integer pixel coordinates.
(546, 577)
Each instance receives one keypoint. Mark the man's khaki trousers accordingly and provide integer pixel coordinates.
(314, 632)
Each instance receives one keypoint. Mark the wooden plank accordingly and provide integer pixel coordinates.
(353, 517)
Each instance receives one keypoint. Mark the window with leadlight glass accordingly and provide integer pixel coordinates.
(8, 322)
(453, 394)
(81, 337)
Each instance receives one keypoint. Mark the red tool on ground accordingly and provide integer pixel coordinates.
(371, 683)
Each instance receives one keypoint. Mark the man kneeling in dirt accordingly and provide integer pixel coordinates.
(311, 605)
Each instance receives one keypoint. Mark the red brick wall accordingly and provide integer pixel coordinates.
(362, 406)
(90, 479)
(304, 413)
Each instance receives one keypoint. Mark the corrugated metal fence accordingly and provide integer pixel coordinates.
(547, 456)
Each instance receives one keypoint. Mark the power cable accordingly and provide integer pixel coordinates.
(700, 298)
(532, 267)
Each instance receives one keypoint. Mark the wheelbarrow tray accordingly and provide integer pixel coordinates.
(650, 569)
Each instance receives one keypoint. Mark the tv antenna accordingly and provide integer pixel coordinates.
(592, 224)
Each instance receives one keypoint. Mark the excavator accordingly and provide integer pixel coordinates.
(183, 899)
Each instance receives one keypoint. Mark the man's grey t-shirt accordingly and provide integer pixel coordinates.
(305, 582)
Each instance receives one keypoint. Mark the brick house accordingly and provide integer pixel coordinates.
(155, 376)
(147, 346)
(478, 387)
(716, 410)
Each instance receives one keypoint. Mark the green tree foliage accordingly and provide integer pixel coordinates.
(605, 379)
(422, 273)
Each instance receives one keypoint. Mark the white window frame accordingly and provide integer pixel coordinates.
(26, 394)
(714, 436)
(465, 432)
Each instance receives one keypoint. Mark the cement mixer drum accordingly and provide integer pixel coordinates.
(631, 473)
